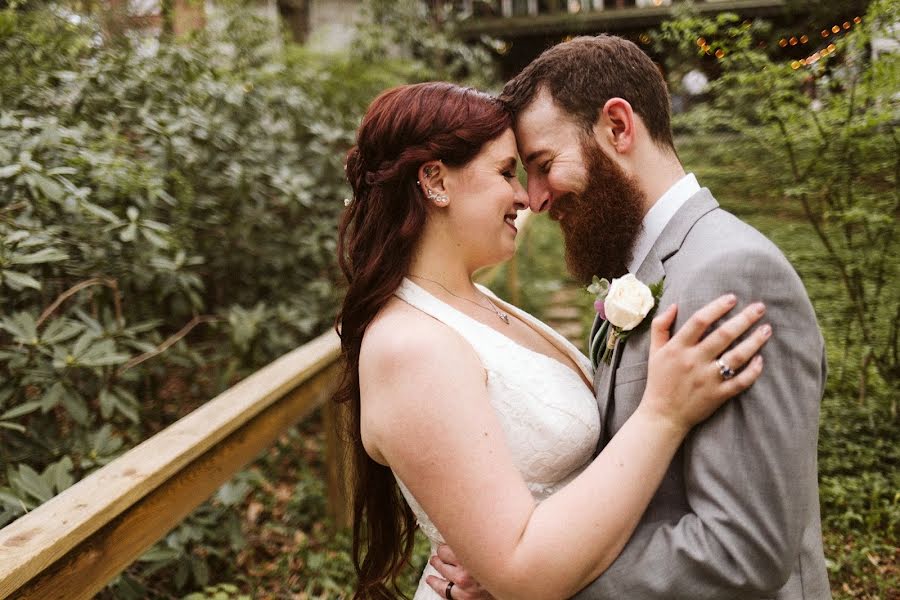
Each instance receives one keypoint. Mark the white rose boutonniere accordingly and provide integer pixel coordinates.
(627, 303)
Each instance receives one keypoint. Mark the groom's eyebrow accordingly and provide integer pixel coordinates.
(533, 156)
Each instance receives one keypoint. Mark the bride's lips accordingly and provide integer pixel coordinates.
(510, 219)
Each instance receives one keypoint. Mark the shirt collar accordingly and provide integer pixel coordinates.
(659, 216)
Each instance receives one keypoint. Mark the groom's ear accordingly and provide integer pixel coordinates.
(616, 126)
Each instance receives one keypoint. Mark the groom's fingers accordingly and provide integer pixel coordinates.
(464, 585)
(455, 573)
(440, 586)
(446, 554)
(457, 593)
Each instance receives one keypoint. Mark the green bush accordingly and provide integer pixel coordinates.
(167, 225)
(822, 133)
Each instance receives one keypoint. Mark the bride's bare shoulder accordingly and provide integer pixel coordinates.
(401, 332)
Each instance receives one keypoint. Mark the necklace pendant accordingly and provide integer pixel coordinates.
(504, 317)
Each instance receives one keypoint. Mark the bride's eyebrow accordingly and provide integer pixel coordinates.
(509, 163)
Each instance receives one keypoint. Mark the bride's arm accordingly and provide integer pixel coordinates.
(426, 412)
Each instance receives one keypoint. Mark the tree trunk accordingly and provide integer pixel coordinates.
(295, 15)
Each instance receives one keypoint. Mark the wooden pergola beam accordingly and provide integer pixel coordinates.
(611, 19)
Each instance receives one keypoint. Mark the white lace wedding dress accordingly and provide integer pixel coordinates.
(547, 410)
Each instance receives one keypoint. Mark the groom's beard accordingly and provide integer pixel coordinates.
(601, 224)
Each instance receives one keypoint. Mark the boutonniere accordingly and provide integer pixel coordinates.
(627, 303)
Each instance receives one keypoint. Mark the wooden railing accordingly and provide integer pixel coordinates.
(71, 546)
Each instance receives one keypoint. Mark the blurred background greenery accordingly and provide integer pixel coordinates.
(171, 176)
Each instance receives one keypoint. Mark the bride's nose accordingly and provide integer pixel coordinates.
(520, 197)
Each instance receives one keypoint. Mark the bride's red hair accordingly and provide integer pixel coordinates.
(403, 128)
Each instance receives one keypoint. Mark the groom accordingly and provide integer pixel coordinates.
(737, 514)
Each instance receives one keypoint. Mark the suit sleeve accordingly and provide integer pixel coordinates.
(750, 468)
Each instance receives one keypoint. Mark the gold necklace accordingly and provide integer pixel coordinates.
(500, 314)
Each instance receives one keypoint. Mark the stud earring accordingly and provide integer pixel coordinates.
(436, 197)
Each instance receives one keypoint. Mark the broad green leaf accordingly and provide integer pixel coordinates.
(19, 281)
(59, 474)
(129, 409)
(41, 256)
(200, 570)
(77, 408)
(108, 403)
(33, 484)
(100, 212)
(17, 236)
(155, 239)
(10, 170)
(13, 426)
(22, 409)
(53, 396)
(128, 233)
(60, 330)
(159, 553)
(8, 497)
(48, 187)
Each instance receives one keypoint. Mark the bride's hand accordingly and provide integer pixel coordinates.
(684, 383)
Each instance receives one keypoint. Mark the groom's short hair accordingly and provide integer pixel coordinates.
(585, 72)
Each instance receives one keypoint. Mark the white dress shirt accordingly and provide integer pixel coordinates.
(659, 216)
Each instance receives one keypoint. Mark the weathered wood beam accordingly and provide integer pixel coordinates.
(72, 545)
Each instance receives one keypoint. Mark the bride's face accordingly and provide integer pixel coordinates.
(485, 196)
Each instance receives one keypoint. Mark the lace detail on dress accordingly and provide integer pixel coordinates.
(546, 410)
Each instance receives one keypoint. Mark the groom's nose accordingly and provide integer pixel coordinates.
(538, 196)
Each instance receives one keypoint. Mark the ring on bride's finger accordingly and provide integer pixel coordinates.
(448, 593)
(724, 370)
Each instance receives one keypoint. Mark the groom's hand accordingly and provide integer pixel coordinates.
(464, 585)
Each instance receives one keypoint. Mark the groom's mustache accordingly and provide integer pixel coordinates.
(562, 205)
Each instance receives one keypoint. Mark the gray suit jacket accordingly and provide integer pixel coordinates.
(737, 513)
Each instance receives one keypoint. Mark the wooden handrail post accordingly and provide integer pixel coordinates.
(337, 467)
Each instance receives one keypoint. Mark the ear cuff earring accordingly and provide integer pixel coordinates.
(436, 197)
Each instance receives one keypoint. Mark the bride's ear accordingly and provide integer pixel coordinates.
(431, 181)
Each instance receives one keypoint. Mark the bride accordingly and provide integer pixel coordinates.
(471, 417)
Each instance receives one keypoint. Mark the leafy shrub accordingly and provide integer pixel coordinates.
(167, 225)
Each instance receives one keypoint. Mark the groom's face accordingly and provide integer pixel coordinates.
(599, 207)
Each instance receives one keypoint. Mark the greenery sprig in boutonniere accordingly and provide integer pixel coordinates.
(627, 304)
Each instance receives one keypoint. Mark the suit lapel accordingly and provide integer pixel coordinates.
(650, 271)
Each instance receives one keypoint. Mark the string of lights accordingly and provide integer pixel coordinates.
(835, 31)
